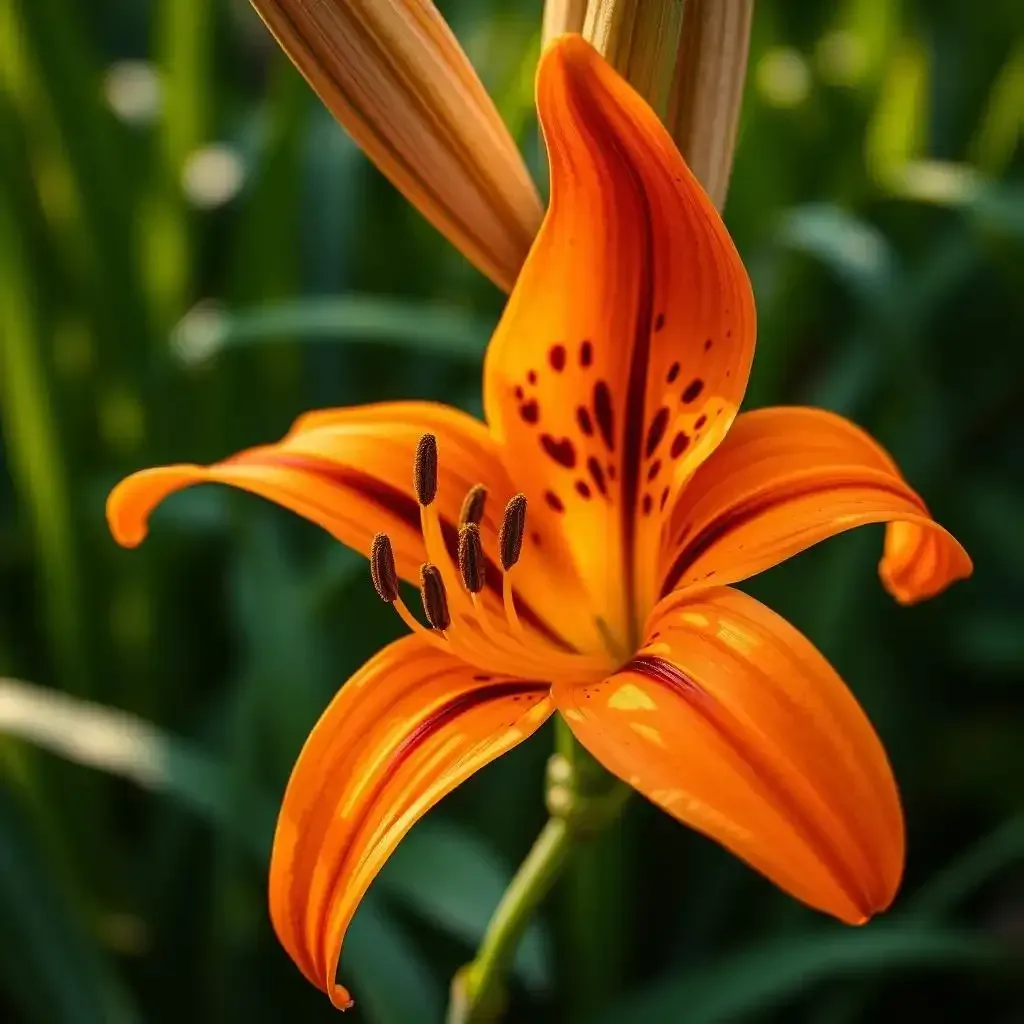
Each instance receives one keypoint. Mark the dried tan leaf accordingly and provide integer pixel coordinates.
(639, 38)
(707, 89)
(393, 74)
(561, 16)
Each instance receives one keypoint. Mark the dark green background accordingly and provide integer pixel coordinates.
(878, 200)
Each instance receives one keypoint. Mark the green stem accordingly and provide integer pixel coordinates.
(478, 990)
(593, 898)
(583, 799)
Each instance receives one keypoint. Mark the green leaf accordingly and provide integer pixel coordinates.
(47, 960)
(455, 880)
(391, 975)
(125, 745)
(767, 976)
(387, 975)
(965, 875)
(352, 319)
(857, 253)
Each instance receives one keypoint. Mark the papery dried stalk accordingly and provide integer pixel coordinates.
(707, 88)
(393, 74)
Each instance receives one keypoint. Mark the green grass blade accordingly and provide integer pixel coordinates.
(763, 978)
(965, 875)
(351, 319)
(48, 962)
(37, 460)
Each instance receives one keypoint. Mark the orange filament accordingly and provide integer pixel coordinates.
(472, 630)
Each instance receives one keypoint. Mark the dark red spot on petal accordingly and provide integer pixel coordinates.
(659, 322)
(519, 393)
(604, 414)
(556, 357)
(701, 420)
(654, 470)
(582, 489)
(673, 372)
(597, 474)
(562, 451)
(532, 376)
(482, 678)
(679, 445)
(647, 504)
(707, 343)
(554, 501)
(693, 390)
(611, 471)
(530, 411)
(586, 353)
(664, 497)
(656, 431)
(586, 424)
(535, 537)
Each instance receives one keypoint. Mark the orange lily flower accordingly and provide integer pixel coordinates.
(611, 391)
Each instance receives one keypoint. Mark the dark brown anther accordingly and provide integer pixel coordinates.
(382, 568)
(471, 558)
(425, 469)
(435, 599)
(510, 536)
(473, 505)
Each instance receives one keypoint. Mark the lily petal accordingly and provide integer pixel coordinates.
(731, 721)
(624, 350)
(786, 478)
(350, 471)
(405, 730)
(394, 75)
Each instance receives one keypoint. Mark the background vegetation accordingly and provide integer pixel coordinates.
(192, 253)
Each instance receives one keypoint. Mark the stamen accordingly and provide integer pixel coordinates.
(435, 598)
(425, 469)
(453, 595)
(382, 568)
(513, 527)
(471, 558)
(473, 505)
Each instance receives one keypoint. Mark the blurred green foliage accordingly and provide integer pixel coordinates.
(192, 253)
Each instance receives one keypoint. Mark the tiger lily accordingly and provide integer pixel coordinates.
(634, 498)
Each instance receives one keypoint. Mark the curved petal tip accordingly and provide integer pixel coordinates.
(134, 498)
(340, 997)
(568, 50)
(920, 563)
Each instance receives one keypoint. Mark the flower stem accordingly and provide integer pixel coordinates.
(583, 799)
(478, 990)
(592, 918)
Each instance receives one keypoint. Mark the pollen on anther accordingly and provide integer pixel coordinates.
(434, 597)
(382, 568)
(471, 558)
(425, 469)
(510, 535)
(473, 505)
